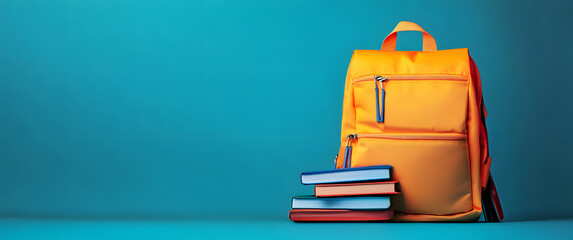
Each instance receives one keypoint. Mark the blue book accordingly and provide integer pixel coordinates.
(381, 172)
(312, 202)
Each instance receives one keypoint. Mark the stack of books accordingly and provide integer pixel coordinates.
(346, 194)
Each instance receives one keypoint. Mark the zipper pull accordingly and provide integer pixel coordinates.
(380, 96)
(348, 150)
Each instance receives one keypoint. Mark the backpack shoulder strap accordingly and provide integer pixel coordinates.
(485, 159)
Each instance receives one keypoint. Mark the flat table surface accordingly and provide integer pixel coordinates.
(29, 228)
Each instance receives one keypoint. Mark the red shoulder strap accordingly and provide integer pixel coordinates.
(484, 144)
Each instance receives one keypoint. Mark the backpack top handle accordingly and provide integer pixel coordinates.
(389, 43)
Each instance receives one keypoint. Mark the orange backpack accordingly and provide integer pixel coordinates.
(421, 112)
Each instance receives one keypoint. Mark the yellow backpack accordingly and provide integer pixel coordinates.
(421, 112)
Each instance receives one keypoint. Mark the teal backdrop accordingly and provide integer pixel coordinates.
(211, 109)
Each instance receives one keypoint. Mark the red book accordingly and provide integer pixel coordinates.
(334, 215)
(353, 189)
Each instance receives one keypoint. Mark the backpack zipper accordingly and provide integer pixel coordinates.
(380, 99)
(441, 136)
(351, 137)
(348, 150)
(381, 93)
(439, 77)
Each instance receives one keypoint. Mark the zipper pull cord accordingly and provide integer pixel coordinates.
(335, 160)
(378, 119)
(348, 150)
(380, 96)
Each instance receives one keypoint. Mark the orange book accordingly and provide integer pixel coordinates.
(350, 189)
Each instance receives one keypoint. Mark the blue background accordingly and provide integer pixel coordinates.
(211, 109)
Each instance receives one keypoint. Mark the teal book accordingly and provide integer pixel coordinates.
(381, 172)
(312, 202)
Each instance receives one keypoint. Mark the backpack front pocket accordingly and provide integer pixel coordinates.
(432, 170)
(411, 103)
